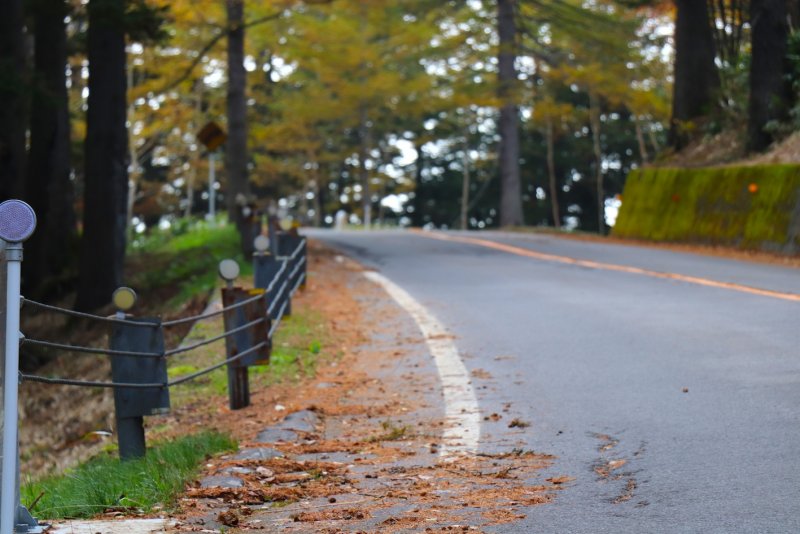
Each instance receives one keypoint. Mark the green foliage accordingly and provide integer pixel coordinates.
(289, 361)
(747, 207)
(733, 95)
(184, 257)
(144, 22)
(105, 483)
(783, 128)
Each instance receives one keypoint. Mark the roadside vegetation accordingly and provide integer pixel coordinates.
(104, 484)
(71, 462)
(180, 262)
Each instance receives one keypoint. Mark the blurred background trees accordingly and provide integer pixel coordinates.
(444, 113)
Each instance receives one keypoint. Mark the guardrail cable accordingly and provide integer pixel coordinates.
(87, 383)
(297, 250)
(177, 381)
(277, 321)
(82, 315)
(208, 315)
(277, 297)
(276, 278)
(90, 350)
(207, 370)
(297, 285)
(288, 283)
(210, 340)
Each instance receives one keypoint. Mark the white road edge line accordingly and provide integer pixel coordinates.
(462, 429)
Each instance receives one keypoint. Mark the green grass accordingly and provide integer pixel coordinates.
(296, 350)
(298, 346)
(185, 263)
(105, 483)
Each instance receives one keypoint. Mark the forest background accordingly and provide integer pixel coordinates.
(448, 114)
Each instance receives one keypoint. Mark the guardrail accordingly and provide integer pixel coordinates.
(137, 349)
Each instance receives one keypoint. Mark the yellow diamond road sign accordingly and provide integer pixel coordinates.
(212, 136)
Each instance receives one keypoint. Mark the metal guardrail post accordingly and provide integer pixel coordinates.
(286, 279)
(265, 268)
(273, 228)
(304, 255)
(131, 405)
(287, 244)
(17, 223)
(238, 379)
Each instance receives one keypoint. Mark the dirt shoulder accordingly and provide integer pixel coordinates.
(367, 456)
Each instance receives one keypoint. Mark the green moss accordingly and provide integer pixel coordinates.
(747, 207)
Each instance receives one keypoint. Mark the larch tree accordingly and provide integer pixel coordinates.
(695, 73)
(106, 157)
(48, 186)
(13, 116)
(508, 127)
(360, 65)
(551, 117)
(236, 161)
(769, 89)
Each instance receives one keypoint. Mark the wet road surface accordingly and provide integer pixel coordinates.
(676, 406)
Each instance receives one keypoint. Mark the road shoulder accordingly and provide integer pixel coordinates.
(367, 454)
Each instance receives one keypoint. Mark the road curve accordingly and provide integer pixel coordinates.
(675, 404)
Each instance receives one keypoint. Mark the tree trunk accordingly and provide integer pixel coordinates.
(551, 173)
(594, 117)
(363, 151)
(48, 187)
(510, 194)
(465, 183)
(106, 179)
(12, 101)
(195, 156)
(769, 90)
(318, 203)
(696, 76)
(238, 194)
(654, 141)
(645, 157)
(135, 173)
(418, 202)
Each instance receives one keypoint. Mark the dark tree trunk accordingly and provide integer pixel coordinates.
(238, 194)
(696, 76)
(597, 150)
(48, 187)
(106, 175)
(511, 194)
(769, 90)
(12, 100)
(418, 202)
(551, 173)
(364, 140)
(793, 10)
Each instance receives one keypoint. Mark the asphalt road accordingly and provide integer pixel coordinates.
(676, 406)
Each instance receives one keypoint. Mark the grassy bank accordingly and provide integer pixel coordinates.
(755, 207)
(137, 486)
(176, 265)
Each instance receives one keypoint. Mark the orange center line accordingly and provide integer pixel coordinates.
(511, 249)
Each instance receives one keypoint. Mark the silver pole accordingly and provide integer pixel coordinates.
(212, 171)
(8, 507)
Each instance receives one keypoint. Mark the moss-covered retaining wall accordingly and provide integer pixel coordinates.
(754, 207)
